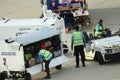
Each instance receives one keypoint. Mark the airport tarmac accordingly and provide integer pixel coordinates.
(108, 10)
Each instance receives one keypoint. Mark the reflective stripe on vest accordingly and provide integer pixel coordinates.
(100, 31)
(78, 40)
(47, 55)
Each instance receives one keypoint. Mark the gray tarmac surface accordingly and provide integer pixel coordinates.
(108, 10)
(20, 8)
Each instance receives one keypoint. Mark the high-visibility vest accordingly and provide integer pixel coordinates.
(46, 54)
(100, 31)
(77, 40)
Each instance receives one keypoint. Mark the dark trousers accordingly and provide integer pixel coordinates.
(47, 68)
(79, 50)
(81, 3)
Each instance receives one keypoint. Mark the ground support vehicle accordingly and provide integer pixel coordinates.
(82, 17)
(70, 10)
(106, 49)
(19, 54)
(16, 27)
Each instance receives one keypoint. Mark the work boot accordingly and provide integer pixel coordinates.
(84, 65)
(47, 77)
(77, 66)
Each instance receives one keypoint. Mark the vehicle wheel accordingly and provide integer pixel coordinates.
(3, 75)
(100, 58)
(15, 78)
(59, 67)
(27, 76)
(65, 48)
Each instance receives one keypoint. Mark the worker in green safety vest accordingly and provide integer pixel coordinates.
(45, 55)
(99, 29)
(77, 42)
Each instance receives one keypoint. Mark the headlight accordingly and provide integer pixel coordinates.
(108, 50)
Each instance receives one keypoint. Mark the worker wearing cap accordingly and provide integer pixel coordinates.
(77, 41)
(45, 55)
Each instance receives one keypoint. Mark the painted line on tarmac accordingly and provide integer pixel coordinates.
(89, 56)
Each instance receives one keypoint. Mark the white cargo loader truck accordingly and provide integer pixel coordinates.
(106, 49)
(20, 53)
(16, 27)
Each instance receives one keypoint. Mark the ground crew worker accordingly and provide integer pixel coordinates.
(45, 55)
(99, 29)
(78, 44)
(82, 5)
(82, 2)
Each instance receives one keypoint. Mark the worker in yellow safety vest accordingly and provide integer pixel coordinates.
(45, 55)
(99, 29)
(77, 42)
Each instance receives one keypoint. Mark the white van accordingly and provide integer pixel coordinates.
(20, 53)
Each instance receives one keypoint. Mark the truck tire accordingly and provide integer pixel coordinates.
(27, 76)
(3, 75)
(59, 67)
(100, 58)
(15, 78)
(96, 57)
